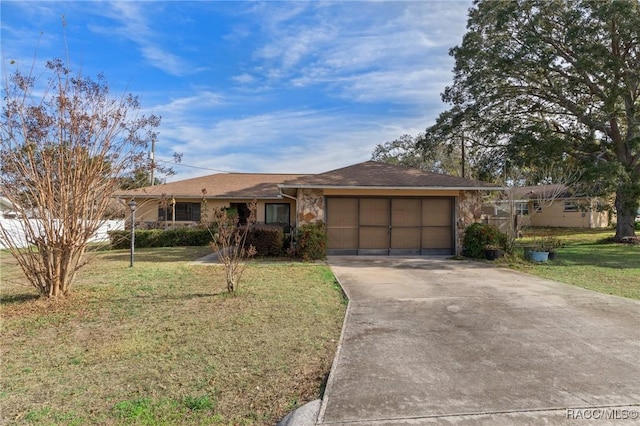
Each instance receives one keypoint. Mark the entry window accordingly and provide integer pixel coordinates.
(522, 209)
(278, 214)
(570, 206)
(188, 212)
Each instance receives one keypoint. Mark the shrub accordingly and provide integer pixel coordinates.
(268, 240)
(312, 242)
(478, 236)
(147, 238)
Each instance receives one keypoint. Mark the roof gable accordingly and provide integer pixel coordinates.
(383, 175)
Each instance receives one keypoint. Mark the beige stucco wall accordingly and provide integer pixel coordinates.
(554, 216)
(147, 209)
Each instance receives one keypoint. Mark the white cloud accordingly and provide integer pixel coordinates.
(164, 60)
(243, 78)
(354, 46)
(304, 141)
(136, 26)
(189, 106)
(265, 110)
(392, 56)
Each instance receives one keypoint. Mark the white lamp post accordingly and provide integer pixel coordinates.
(132, 206)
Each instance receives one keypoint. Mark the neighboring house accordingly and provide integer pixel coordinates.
(550, 206)
(7, 209)
(368, 208)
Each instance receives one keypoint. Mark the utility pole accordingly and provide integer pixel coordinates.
(152, 157)
(462, 152)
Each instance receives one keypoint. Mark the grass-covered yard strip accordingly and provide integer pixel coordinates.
(162, 344)
(589, 260)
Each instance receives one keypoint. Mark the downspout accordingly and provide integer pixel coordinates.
(296, 215)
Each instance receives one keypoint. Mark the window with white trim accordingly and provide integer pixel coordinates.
(522, 209)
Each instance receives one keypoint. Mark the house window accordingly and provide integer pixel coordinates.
(189, 212)
(571, 206)
(522, 209)
(278, 214)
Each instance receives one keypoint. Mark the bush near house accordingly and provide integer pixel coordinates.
(479, 235)
(268, 240)
(312, 242)
(149, 238)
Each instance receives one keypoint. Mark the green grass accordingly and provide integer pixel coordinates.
(162, 343)
(589, 260)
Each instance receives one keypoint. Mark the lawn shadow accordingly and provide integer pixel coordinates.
(8, 299)
(597, 257)
(160, 298)
(163, 255)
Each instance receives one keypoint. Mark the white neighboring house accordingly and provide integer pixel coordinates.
(7, 209)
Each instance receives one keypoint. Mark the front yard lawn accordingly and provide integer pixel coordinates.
(588, 260)
(162, 344)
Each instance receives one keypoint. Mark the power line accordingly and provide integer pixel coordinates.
(195, 167)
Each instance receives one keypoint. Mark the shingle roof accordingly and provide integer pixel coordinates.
(221, 185)
(370, 174)
(383, 175)
(540, 192)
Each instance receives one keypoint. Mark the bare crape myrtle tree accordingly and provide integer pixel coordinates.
(66, 144)
(229, 242)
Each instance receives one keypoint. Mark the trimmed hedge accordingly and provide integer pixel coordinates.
(147, 238)
(479, 235)
(312, 242)
(268, 240)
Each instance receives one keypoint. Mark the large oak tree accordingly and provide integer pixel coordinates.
(412, 151)
(539, 82)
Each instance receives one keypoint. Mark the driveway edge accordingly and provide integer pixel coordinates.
(334, 364)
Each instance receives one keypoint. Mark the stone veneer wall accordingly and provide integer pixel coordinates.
(469, 211)
(310, 206)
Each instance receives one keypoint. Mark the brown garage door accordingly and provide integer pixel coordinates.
(390, 225)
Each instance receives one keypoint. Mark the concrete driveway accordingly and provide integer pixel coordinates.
(431, 340)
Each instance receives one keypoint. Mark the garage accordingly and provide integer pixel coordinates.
(390, 225)
(386, 209)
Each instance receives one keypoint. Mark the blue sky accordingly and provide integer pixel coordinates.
(300, 87)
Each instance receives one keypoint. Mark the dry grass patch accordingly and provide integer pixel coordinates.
(161, 343)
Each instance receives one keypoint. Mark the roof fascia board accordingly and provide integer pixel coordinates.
(193, 197)
(431, 188)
